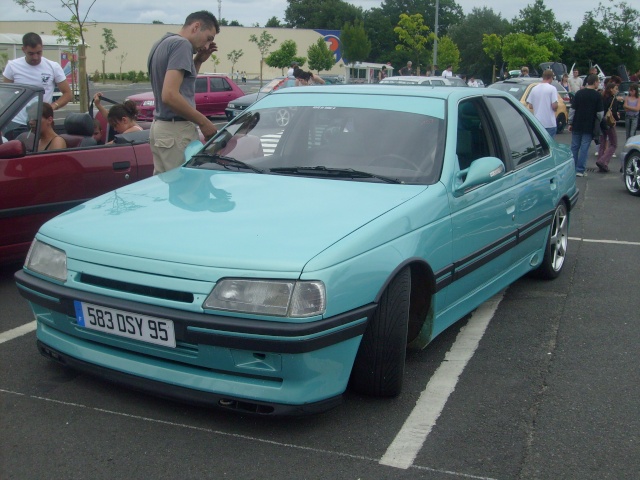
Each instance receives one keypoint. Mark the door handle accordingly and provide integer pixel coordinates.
(117, 166)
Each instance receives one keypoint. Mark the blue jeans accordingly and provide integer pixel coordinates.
(631, 125)
(552, 131)
(580, 148)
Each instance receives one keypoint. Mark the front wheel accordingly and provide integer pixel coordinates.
(379, 365)
(555, 251)
(632, 173)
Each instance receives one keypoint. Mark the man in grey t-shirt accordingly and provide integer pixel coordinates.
(174, 62)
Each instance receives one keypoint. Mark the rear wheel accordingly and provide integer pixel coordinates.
(556, 249)
(379, 365)
(632, 173)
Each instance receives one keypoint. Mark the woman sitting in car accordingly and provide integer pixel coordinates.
(121, 117)
(49, 139)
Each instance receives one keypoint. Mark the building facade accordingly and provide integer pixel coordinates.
(134, 42)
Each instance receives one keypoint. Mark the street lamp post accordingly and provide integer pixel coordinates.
(435, 42)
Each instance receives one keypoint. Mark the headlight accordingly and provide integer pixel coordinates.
(47, 260)
(148, 103)
(283, 298)
(231, 105)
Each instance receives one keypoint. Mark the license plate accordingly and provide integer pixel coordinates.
(126, 324)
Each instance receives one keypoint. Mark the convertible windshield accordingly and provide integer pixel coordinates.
(332, 143)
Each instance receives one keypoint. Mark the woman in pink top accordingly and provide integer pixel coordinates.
(631, 108)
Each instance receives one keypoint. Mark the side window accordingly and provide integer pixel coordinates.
(524, 142)
(201, 85)
(437, 82)
(473, 134)
(218, 84)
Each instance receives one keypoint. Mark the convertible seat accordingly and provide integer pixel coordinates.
(79, 128)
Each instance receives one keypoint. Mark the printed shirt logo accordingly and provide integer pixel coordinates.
(45, 78)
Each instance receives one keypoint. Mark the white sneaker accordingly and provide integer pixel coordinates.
(596, 153)
(613, 156)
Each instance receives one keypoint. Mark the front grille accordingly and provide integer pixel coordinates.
(163, 293)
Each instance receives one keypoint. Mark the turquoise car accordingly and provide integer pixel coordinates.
(280, 265)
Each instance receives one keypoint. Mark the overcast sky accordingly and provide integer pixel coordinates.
(249, 12)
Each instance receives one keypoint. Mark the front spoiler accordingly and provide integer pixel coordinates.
(188, 395)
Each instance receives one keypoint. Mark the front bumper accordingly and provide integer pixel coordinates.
(243, 364)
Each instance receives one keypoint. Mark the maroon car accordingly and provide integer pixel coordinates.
(36, 186)
(213, 93)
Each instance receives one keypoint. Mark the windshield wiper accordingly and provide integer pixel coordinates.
(332, 172)
(225, 161)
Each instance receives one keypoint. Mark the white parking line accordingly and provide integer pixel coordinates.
(17, 332)
(614, 242)
(408, 442)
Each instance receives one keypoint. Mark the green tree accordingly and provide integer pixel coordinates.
(448, 53)
(379, 30)
(75, 26)
(520, 49)
(320, 57)
(590, 46)
(449, 12)
(469, 35)
(264, 43)
(355, 43)
(216, 61)
(548, 40)
(537, 18)
(621, 23)
(329, 14)
(233, 56)
(121, 59)
(492, 47)
(273, 22)
(109, 45)
(282, 57)
(413, 36)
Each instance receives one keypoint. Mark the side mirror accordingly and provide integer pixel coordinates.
(483, 170)
(12, 149)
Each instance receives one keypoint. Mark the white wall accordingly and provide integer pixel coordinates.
(136, 40)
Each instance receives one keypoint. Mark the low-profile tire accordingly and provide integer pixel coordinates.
(555, 251)
(378, 369)
(632, 173)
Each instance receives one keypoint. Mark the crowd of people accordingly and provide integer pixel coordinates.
(593, 117)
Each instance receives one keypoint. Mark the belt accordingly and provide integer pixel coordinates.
(174, 119)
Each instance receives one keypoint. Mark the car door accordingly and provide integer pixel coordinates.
(39, 186)
(481, 218)
(221, 93)
(534, 172)
(204, 101)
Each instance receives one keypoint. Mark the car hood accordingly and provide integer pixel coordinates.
(225, 219)
(139, 97)
(250, 99)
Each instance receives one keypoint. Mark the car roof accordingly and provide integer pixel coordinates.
(442, 92)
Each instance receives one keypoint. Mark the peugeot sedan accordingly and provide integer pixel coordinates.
(279, 266)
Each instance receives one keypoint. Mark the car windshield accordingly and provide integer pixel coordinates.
(515, 89)
(334, 142)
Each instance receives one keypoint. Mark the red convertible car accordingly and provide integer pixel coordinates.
(213, 93)
(36, 186)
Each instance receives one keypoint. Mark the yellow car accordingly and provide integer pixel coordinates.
(521, 87)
